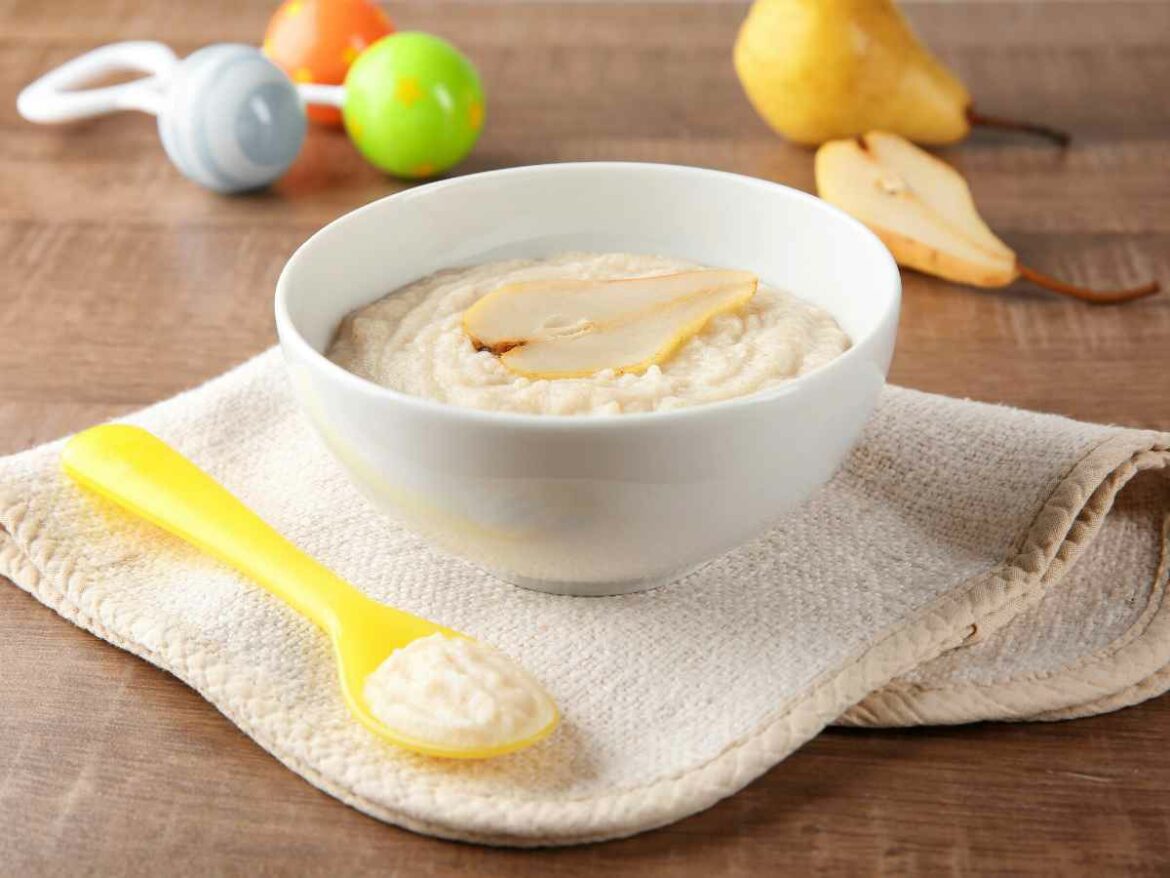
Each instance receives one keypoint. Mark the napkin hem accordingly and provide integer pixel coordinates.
(1095, 683)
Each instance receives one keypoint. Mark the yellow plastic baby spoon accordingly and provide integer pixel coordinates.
(141, 473)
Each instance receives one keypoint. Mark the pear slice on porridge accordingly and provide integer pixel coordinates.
(564, 328)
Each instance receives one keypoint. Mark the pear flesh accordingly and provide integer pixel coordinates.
(919, 206)
(577, 328)
(922, 210)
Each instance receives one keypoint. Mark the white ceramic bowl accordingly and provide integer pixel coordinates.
(592, 505)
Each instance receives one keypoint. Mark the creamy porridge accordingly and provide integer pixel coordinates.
(414, 341)
(455, 692)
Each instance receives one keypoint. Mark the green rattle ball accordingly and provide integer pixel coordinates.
(413, 105)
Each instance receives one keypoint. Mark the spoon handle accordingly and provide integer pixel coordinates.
(143, 474)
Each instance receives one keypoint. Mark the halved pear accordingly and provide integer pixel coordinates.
(919, 206)
(922, 210)
(576, 328)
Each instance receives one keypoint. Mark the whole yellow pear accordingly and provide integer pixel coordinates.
(818, 70)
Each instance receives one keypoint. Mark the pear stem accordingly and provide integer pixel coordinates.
(1096, 297)
(1060, 138)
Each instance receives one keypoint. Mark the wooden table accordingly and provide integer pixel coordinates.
(123, 283)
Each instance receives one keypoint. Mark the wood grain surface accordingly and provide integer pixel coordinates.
(121, 284)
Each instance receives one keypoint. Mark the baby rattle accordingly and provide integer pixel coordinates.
(231, 120)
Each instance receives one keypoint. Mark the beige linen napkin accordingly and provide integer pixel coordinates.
(968, 562)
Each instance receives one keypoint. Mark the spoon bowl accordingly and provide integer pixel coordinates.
(365, 635)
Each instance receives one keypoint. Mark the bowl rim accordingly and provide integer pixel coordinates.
(290, 336)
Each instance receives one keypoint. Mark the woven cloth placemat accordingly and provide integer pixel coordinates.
(969, 562)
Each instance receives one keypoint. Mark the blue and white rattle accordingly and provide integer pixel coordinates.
(228, 117)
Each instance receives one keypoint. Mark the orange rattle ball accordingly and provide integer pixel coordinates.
(318, 40)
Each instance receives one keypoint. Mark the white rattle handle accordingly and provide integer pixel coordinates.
(52, 98)
(326, 95)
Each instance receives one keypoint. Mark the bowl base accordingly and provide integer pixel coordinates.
(593, 589)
